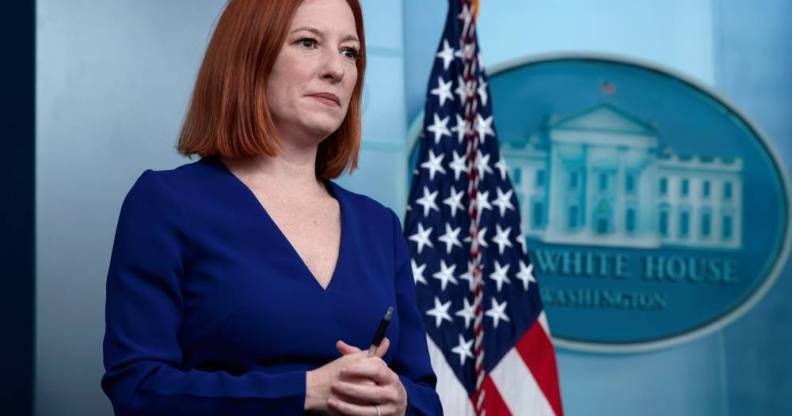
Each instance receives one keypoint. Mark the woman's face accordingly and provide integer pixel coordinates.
(311, 82)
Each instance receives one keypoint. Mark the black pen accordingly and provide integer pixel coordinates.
(380, 334)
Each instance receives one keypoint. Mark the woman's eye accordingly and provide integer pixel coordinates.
(307, 42)
(350, 53)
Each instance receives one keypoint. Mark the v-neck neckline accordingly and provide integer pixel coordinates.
(331, 189)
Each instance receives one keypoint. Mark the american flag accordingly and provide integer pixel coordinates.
(488, 336)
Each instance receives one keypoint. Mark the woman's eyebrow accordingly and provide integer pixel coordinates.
(352, 38)
(319, 33)
(308, 29)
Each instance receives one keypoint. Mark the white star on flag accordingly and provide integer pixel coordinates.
(523, 243)
(443, 91)
(482, 164)
(467, 50)
(502, 168)
(482, 91)
(503, 201)
(465, 15)
(468, 275)
(417, 272)
(482, 241)
(454, 201)
(500, 275)
(501, 238)
(447, 55)
(467, 312)
(497, 312)
(439, 128)
(484, 127)
(450, 238)
(526, 274)
(483, 202)
(440, 312)
(421, 237)
(434, 164)
(459, 128)
(457, 165)
(445, 275)
(427, 201)
(463, 89)
(463, 349)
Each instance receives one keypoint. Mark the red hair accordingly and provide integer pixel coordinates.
(228, 115)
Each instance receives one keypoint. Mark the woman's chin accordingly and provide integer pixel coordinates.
(322, 130)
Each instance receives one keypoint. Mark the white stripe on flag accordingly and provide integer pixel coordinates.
(452, 394)
(518, 387)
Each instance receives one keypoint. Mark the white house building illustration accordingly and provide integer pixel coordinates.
(601, 177)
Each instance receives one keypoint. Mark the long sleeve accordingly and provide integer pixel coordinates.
(411, 360)
(142, 354)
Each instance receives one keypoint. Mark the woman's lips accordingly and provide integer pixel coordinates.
(327, 99)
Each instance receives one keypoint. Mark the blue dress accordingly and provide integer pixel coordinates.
(211, 311)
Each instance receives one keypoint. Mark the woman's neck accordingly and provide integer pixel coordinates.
(292, 170)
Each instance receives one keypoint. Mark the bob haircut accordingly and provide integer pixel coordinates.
(228, 114)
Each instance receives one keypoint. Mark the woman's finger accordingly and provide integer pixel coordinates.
(344, 398)
(361, 393)
(371, 368)
(383, 348)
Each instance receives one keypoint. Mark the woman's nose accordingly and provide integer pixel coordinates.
(332, 66)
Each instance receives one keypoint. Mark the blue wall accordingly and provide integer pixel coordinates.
(752, 62)
(115, 77)
(113, 80)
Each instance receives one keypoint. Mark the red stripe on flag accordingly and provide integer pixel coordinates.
(537, 352)
(494, 405)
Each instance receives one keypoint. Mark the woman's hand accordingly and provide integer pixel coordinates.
(318, 382)
(367, 387)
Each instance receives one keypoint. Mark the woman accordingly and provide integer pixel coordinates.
(240, 283)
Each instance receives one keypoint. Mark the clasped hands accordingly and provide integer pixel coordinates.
(356, 384)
